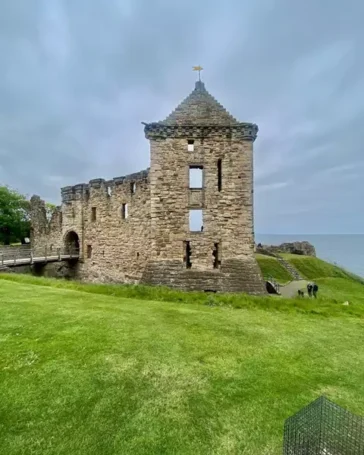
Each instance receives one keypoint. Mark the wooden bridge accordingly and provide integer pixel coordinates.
(12, 257)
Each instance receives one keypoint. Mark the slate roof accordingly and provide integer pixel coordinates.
(200, 108)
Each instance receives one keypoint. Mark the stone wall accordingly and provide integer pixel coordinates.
(227, 214)
(112, 249)
(66, 269)
(157, 224)
(120, 247)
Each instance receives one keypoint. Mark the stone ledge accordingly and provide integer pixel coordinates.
(243, 131)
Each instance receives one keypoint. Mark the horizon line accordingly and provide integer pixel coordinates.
(312, 233)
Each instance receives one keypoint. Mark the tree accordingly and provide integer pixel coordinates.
(14, 216)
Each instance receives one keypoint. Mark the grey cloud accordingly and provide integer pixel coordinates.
(78, 78)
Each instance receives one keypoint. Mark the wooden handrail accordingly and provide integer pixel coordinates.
(29, 256)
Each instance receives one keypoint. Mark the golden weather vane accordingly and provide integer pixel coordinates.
(199, 69)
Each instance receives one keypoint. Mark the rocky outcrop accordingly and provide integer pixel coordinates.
(303, 248)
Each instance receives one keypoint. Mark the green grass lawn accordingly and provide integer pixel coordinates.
(84, 370)
(270, 267)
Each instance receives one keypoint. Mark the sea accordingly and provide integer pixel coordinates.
(344, 250)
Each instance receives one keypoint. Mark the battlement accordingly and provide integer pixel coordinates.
(83, 190)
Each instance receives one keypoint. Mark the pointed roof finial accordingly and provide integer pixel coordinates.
(199, 69)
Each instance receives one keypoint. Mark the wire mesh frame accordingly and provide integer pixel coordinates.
(324, 428)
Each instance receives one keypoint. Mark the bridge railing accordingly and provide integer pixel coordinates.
(16, 255)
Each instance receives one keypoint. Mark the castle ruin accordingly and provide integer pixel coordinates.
(186, 222)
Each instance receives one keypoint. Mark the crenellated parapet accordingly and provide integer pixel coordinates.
(74, 193)
(136, 176)
(83, 190)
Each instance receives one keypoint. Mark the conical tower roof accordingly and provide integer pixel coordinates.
(200, 115)
(200, 108)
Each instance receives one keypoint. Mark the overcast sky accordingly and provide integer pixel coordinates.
(79, 76)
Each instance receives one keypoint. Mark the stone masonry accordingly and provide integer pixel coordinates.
(137, 228)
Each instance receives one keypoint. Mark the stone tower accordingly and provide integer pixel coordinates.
(201, 189)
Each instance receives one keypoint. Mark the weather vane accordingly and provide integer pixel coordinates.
(199, 69)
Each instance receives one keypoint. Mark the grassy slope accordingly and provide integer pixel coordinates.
(335, 284)
(313, 268)
(270, 267)
(86, 373)
(328, 304)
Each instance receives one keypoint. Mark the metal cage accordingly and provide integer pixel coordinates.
(324, 428)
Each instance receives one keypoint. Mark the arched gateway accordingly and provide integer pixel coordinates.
(72, 242)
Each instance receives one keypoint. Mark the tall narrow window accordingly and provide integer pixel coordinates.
(124, 211)
(190, 145)
(109, 191)
(196, 177)
(73, 212)
(89, 251)
(216, 256)
(93, 214)
(187, 254)
(219, 176)
(196, 221)
(133, 187)
(60, 218)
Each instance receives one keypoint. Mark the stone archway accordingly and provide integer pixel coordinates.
(72, 242)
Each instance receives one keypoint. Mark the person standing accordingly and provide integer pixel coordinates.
(314, 290)
(309, 289)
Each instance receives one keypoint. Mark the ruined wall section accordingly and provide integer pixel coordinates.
(112, 220)
(45, 235)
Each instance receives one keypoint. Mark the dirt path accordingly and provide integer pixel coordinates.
(291, 289)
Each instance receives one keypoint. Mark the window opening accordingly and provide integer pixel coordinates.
(196, 177)
(124, 211)
(89, 251)
(133, 187)
(196, 220)
(187, 254)
(219, 175)
(190, 145)
(215, 254)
